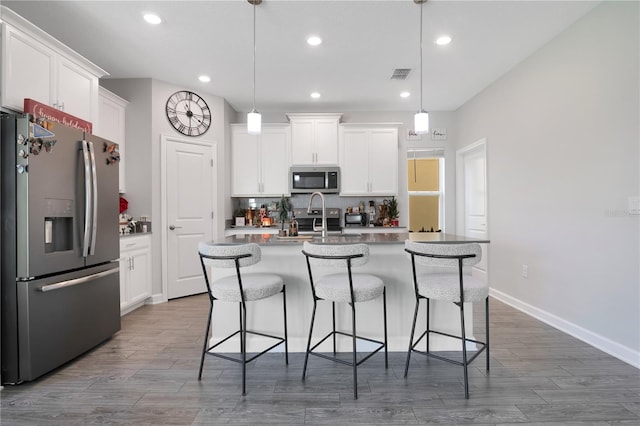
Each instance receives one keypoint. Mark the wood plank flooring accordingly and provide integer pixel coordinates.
(147, 375)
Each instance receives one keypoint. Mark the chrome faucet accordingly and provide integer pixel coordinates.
(323, 227)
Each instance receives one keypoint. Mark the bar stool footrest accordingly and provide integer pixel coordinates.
(280, 341)
(441, 358)
(341, 361)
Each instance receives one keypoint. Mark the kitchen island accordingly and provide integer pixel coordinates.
(387, 260)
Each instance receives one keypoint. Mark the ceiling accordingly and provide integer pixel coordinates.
(363, 42)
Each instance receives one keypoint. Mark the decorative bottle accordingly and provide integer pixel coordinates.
(293, 227)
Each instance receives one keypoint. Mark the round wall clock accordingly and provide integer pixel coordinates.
(188, 113)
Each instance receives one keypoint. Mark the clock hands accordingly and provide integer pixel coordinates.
(191, 114)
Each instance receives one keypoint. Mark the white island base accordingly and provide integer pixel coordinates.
(387, 260)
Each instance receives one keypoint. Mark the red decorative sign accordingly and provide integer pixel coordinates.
(47, 113)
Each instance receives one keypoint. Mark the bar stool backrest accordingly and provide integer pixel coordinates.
(439, 249)
(230, 250)
(336, 250)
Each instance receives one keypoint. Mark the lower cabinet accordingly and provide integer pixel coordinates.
(135, 272)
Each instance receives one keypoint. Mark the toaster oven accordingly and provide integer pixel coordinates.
(355, 219)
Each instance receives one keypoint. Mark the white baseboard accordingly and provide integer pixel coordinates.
(155, 299)
(615, 349)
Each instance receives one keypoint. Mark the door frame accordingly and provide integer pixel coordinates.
(165, 140)
(481, 146)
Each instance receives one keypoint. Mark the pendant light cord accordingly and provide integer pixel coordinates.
(254, 56)
(421, 77)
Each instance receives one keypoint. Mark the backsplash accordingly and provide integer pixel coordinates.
(302, 201)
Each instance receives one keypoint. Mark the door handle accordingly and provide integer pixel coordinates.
(172, 227)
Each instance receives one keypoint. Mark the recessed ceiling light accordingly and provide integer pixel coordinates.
(204, 78)
(443, 40)
(405, 94)
(152, 18)
(314, 40)
(315, 95)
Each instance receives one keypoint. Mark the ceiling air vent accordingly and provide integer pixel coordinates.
(400, 73)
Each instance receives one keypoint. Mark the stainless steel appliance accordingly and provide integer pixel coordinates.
(305, 180)
(356, 219)
(305, 219)
(60, 245)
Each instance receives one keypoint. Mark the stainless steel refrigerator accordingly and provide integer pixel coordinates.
(60, 245)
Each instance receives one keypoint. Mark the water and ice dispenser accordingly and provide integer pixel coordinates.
(58, 225)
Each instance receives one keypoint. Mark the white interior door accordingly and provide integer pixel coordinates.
(189, 196)
(471, 190)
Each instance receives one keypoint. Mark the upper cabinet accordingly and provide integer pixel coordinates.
(369, 159)
(260, 163)
(314, 138)
(37, 66)
(111, 125)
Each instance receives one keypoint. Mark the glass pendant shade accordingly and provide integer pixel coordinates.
(421, 122)
(254, 122)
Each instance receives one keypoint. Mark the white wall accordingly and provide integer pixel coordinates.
(562, 133)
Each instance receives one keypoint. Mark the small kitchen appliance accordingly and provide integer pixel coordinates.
(356, 219)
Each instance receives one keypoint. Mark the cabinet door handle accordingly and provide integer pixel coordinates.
(133, 263)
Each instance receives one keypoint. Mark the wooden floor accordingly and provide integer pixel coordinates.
(147, 374)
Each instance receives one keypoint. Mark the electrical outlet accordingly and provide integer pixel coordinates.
(525, 271)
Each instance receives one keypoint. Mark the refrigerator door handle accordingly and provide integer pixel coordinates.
(76, 281)
(87, 199)
(94, 196)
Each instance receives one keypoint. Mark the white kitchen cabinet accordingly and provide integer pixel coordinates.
(260, 163)
(135, 272)
(314, 139)
(111, 125)
(37, 66)
(368, 160)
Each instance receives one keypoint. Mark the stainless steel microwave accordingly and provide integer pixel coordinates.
(305, 180)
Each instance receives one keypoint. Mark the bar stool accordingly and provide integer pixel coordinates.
(240, 288)
(343, 287)
(450, 286)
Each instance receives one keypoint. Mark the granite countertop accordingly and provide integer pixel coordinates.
(367, 238)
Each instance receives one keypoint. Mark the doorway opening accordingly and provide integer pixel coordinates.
(425, 185)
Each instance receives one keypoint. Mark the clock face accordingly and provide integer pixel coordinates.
(188, 113)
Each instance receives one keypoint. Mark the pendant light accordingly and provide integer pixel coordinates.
(254, 119)
(421, 118)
